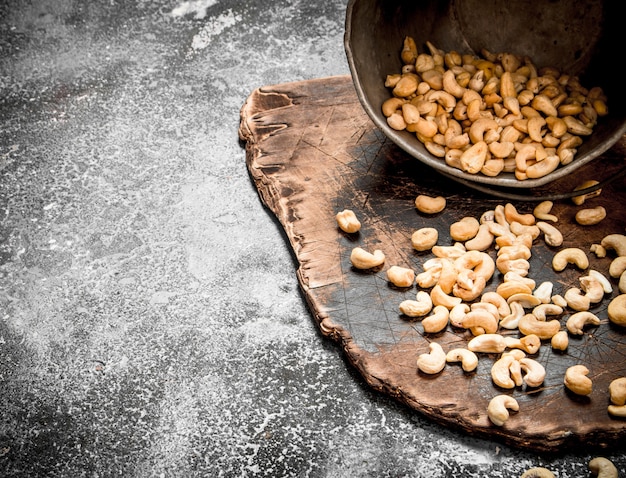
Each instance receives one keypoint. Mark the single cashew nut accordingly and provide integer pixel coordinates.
(606, 284)
(480, 322)
(424, 239)
(529, 343)
(542, 211)
(434, 361)
(543, 310)
(467, 358)
(487, 343)
(529, 324)
(544, 291)
(439, 297)
(430, 205)
(603, 468)
(579, 320)
(593, 288)
(498, 408)
(482, 240)
(535, 372)
(617, 267)
(576, 299)
(437, 321)
(501, 372)
(465, 229)
(617, 310)
(560, 340)
(551, 234)
(577, 381)
(419, 307)
(617, 391)
(512, 215)
(617, 242)
(401, 276)
(537, 472)
(347, 221)
(362, 259)
(511, 321)
(590, 216)
(570, 255)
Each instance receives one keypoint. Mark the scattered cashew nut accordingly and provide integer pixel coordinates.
(347, 221)
(468, 359)
(362, 259)
(498, 408)
(537, 472)
(603, 468)
(579, 320)
(577, 381)
(570, 255)
(401, 276)
(434, 361)
(429, 204)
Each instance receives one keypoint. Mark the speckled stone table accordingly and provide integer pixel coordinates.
(151, 322)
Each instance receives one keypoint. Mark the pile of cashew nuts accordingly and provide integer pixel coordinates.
(451, 292)
(491, 114)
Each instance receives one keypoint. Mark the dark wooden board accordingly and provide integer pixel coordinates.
(311, 152)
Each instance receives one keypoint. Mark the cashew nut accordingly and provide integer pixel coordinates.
(603, 468)
(434, 361)
(439, 297)
(551, 235)
(512, 215)
(617, 310)
(543, 310)
(593, 288)
(535, 372)
(468, 359)
(492, 297)
(347, 221)
(501, 372)
(577, 381)
(578, 200)
(579, 320)
(529, 343)
(537, 472)
(542, 211)
(430, 205)
(419, 307)
(362, 259)
(498, 408)
(482, 240)
(437, 321)
(465, 229)
(480, 322)
(560, 340)
(617, 391)
(511, 321)
(570, 255)
(529, 324)
(590, 216)
(617, 267)
(617, 242)
(544, 291)
(577, 300)
(401, 276)
(487, 343)
(606, 284)
(424, 239)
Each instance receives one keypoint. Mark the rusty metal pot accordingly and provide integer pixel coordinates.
(581, 38)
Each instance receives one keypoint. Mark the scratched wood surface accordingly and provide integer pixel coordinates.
(311, 151)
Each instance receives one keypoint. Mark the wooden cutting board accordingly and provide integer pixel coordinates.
(311, 152)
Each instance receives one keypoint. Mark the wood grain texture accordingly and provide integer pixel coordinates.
(311, 152)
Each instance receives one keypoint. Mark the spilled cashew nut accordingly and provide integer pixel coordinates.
(401, 276)
(419, 307)
(570, 255)
(617, 310)
(430, 205)
(535, 372)
(347, 221)
(542, 211)
(551, 235)
(529, 343)
(603, 468)
(424, 239)
(437, 321)
(560, 340)
(487, 343)
(529, 324)
(576, 299)
(617, 242)
(501, 372)
(362, 259)
(467, 358)
(537, 472)
(577, 381)
(617, 391)
(498, 408)
(579, 320)
(434, 361)
(590, 216)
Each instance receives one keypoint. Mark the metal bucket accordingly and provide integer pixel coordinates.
(582, 38)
